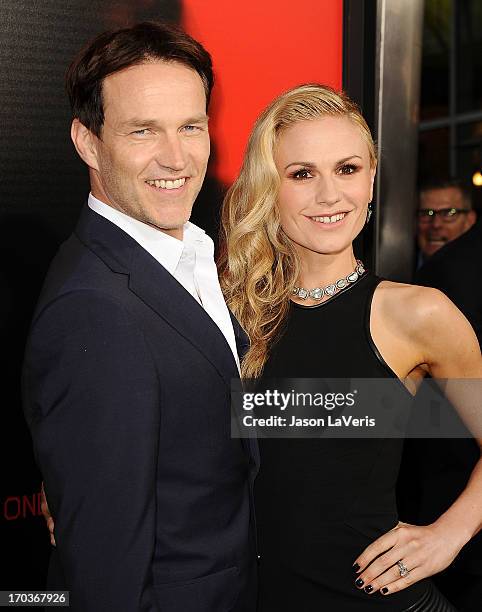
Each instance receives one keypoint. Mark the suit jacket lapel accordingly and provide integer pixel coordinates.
(241, 337)
(242, 344)
(153, 284)
(156, 287)
(160, 290)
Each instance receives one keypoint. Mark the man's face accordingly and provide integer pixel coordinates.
(152, 156)
(433, 232)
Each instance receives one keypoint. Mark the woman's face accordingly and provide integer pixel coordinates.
(326, 183)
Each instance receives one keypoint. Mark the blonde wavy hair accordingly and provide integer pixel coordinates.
(258, 263)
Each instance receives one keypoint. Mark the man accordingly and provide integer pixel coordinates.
(447, 464)
(454, 269)
(132, 349)
(444, 213)
(434, 472)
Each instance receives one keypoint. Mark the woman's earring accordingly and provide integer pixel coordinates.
(369, 213)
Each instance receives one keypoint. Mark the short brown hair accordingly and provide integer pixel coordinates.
(447, 183)
(116, 50)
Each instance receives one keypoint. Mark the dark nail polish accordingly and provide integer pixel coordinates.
(356, 567)
(368, 589)
(359, 582)
(384, 590)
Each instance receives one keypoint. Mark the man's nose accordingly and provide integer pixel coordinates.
(171, 153)
(437, 221)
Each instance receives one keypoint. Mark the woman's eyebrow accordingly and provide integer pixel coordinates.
(313, 165)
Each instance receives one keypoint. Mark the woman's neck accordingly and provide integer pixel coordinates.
(319, 270)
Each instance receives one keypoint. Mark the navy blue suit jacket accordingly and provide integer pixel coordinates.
(127, 394)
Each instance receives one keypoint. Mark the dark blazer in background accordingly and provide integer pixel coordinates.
(456, 269)
(127, 394)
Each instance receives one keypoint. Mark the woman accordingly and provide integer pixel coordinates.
(329, 535)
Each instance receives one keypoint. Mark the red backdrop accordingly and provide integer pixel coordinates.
(259, 49)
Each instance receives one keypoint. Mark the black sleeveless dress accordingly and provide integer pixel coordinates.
(320, 503)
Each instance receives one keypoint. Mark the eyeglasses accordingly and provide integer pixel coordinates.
(447, 215)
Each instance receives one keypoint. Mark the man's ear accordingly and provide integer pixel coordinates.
(471, 218)
(85, 143)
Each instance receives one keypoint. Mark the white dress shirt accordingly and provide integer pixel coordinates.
(190, 261)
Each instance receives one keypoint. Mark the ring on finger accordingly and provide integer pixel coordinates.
(403, 569)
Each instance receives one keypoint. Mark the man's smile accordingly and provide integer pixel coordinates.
(167, 183)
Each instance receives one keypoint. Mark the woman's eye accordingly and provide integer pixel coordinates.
(299, 175)
(348, 169)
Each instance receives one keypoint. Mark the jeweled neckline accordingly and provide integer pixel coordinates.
(334, 297)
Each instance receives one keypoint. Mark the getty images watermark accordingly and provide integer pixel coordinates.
(356, 408)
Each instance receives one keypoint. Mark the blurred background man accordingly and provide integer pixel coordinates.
(444, 213)
(434, 472)
(450, 242)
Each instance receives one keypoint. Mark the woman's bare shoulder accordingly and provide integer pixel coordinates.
(413, 305)
(432, 324)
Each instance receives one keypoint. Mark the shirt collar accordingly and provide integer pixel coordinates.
(166, 249)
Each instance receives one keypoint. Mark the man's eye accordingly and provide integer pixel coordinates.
(191, 129)
(348, 169)
(142, 132)
(301, 174)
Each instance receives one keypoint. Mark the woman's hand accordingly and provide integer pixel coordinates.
(424, 551)
(44, 507)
